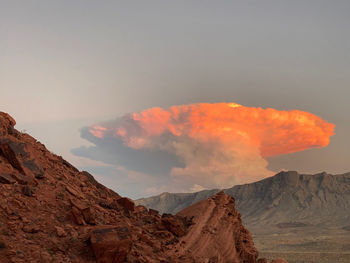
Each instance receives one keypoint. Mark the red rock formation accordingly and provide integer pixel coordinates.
(216, 220)
(51, 212)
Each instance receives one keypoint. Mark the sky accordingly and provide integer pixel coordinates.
(67, 66)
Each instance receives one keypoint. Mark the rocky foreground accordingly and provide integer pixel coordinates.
(51, 212)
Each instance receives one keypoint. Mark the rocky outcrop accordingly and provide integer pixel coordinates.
(51, 212)
(216, 219)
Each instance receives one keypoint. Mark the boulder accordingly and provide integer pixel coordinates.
(8, 153)
(35, 168)
(174, 224)
(82, 212)
(6, 179)
(111, 244)
(126, 203)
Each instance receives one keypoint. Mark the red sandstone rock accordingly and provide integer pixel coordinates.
(82, 211)
(22, 179)
(153, 212)
(27, 190)
(127, 203)
(60, 231)
(217, 220)
(9, 121)
(6, 123)
(6, 179)
(140, 209)
(51, 212)
(31, 228)
(111, 244)
(279, 260)
(174, 224)
(78, 216)
(74, 192)
(7, 152)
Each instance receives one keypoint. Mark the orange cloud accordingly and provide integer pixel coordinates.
(98, 131)
(222, 143)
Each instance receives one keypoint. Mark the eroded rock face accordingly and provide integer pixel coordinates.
(111, 243)
(217, 220)
(51, 212)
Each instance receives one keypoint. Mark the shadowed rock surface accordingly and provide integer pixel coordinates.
(51, 212)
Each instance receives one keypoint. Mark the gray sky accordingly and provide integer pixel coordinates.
(68, 64)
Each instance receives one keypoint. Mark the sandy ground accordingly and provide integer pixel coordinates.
(305, 245)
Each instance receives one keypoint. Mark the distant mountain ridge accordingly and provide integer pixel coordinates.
(287, 198)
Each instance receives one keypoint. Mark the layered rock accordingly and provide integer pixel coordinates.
(51, 212)
(216, 220)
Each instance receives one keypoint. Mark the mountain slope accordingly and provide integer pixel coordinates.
(302, 218)
(320, 199)
(51, 212)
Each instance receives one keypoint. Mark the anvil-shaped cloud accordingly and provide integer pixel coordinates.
(204, 145)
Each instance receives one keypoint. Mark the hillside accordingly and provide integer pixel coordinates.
(320, 199)
(300, 217)
(52, 212)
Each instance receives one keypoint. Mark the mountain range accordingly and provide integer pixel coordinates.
(287, 198)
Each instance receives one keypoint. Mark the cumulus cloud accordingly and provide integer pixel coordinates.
(204, 145)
